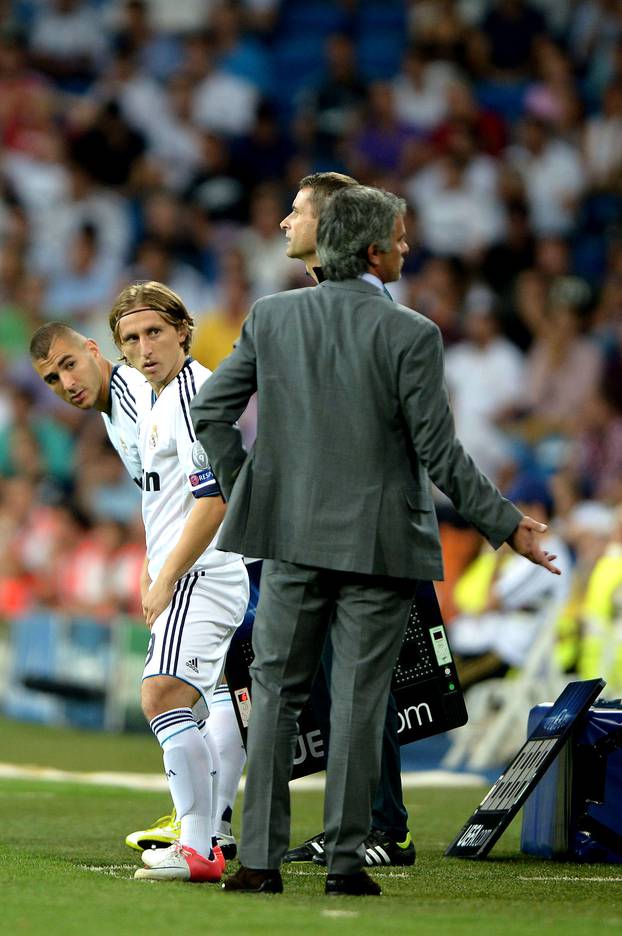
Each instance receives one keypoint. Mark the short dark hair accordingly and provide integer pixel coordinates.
(323, 185)
(350, 222)
(41, 341)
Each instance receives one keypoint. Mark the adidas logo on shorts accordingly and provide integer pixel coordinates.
(193, 664)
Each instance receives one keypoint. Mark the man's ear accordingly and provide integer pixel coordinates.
(92, 346)
(373, 255)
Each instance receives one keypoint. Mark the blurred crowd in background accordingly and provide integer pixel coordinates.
(145, 139)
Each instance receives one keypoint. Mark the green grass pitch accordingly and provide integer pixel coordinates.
(65, 870)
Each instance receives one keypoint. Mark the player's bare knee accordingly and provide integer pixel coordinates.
(162, 693)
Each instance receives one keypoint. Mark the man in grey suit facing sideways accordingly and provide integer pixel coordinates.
(353, 422)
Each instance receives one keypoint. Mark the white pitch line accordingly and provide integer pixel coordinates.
(132, 781)
(157, 782)
(109, 870)
(383, 870)
(569, 878)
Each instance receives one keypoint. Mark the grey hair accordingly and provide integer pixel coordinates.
(353, 219)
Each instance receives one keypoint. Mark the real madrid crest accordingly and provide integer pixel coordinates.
(153, 438)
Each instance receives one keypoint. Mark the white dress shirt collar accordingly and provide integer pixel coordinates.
(373, 279)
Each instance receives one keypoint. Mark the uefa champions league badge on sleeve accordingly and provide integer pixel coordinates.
(201, 477)
(199, 456)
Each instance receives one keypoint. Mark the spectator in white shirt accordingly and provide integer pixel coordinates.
(420, 90)
(138, 95)
(222, 102)
(68, 40)
(484, 374)
(261, 243)
(457, 219)
(602, 142)
(553, 176)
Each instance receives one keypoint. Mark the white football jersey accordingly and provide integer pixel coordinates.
(130, 395)
(175, 470)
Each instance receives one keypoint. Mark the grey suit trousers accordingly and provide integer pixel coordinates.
(368, 616)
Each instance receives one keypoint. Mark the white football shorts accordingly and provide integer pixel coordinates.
(190, 639)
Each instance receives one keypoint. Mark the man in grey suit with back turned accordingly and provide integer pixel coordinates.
(353, 422)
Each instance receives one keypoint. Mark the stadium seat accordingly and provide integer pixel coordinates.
(299, 19)
(389, 17)
(379, 55)
(505, 99)
(61, 669)
(382, 35)
(32, 644)
(298, 63)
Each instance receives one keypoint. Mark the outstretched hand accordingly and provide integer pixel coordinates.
(525, 540)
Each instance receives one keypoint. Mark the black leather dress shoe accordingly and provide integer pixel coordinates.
(255, 881)
(353, 885)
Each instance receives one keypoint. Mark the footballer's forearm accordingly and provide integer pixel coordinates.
(199, 530)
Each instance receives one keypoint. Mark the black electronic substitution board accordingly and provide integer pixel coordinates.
(425, 682)
(507, 795)
(425, 686)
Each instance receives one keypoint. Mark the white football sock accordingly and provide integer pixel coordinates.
(224, 731)
(216, 771)
(188, 766)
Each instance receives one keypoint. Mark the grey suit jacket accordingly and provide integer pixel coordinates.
(353, 421)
